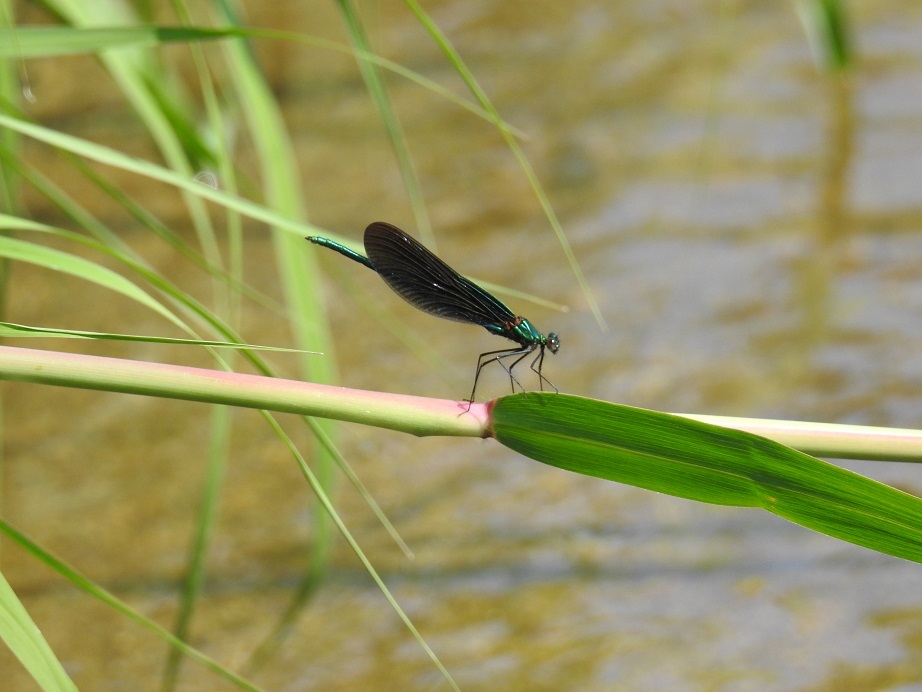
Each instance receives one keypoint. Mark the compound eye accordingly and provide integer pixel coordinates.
(553, 342)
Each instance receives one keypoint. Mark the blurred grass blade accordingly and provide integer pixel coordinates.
(379, 95)
(218, 452)
(10, 329)
(82, 582)
(465, 73)
(184, 301)
(707, 463)
(50, 258)
(134, 70)
(50, 41)
(25, 640)
(297, 268)
(826, 24)
(112, 157)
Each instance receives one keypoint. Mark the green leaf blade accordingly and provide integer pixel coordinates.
(23, 638)
(708, 463)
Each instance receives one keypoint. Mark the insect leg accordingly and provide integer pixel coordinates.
(539, 359)
(512, 380)
(489, 357)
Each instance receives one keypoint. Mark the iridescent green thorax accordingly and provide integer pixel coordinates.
(525, 334)
(519, 330)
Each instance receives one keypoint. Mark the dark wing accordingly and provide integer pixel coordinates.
(426, 282)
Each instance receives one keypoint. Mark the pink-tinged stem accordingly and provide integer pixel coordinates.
(411, 414)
